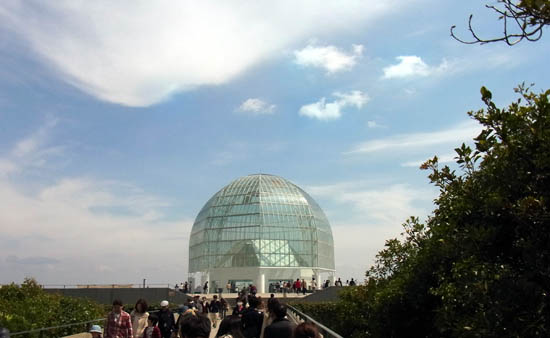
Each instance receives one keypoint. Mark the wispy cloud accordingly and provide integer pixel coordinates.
(392, 204)
(460, 133)
(413, 66)
(139, 54)
(31, 143)
(325, 111)
(85, 220)
(377, 213)
(373, 124)
(256, 106)
(330, 58)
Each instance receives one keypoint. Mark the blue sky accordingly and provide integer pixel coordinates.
(119, 120)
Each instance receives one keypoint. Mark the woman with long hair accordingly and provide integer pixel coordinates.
(230, 327)
(139, 317)
(306, 330)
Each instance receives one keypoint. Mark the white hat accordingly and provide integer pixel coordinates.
(96, 328)
(164, 303)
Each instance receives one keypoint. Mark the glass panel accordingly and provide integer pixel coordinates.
(261, 220)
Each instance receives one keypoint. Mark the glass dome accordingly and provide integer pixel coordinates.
(261, 221)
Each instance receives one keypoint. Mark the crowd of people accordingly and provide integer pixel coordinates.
(250, 318)
(297, 286)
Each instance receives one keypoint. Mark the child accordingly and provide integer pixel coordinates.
(96, 331)
(152, 330)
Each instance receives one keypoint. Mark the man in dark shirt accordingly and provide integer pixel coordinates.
(252, 319)
(166, 322)
(214, 310)
(281, 326)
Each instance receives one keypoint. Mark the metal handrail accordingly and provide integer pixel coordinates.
(56, 327)
(63, 325)
(325, 330)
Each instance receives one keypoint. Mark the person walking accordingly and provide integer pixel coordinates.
(230, 327)
(304, 286)
(281, 326)
(214, 311)
(297, 286)
(205, 288)
(306, 330)
(118, 323)
(252, 319)
(95, 331)
(253, 290)
(152, 330)
(139, 317)
(239, 308)
(166, 322)
(224, 307)
(313, 285)
(269, 315)
(205, 306)
(195, 325)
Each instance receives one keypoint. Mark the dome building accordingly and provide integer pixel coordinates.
(260, 229)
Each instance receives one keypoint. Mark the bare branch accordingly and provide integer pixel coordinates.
(528, 19)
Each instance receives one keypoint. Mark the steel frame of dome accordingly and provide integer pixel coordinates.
(260, 229)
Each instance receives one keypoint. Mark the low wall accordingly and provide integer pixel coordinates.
(126, 295)
(329, 294)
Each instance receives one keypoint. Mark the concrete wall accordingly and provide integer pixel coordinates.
(329, 294)
(126, 295)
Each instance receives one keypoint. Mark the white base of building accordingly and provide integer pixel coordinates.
(260, 277)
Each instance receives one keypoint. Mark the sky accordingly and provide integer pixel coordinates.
(119, 120)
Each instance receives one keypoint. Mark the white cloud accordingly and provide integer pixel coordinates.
(411, 66)
(391, 204)
(30, 144)
(377, 214)
(325, 111)
(256, 106)
(138, 54)
(74, 226)
(328, 57)
(7, 167)
(462, 132)
(373, 124)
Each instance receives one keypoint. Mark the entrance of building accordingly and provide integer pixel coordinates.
(238, 285)
(276, 285)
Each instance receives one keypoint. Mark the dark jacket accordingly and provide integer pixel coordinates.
(215, 306)
(166, 322)
(280, 328)
(252, 320)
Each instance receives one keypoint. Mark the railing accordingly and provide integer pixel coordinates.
(56, 327)
(43, 329)
(300, 316)
(106, 286)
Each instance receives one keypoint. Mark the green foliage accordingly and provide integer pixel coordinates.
(480, 266)
(492, 225)
(29, 307)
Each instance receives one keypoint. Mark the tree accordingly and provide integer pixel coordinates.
(28, 307)
(480, 265)
(521, 20)
(490, 232)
